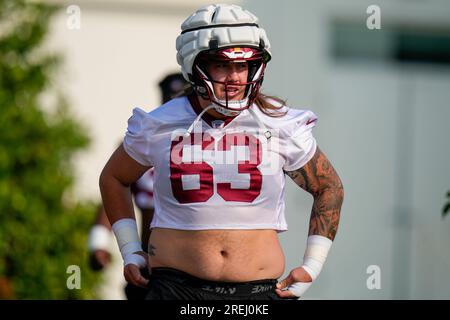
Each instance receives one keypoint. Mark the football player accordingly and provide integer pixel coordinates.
(220, 155)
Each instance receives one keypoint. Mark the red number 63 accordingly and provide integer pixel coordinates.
(205, 171)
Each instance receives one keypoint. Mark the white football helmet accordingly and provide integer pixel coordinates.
(228, 33)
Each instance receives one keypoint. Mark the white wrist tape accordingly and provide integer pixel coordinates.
(299, 288)
(99, 238)
(316, 253)
(133, 258)
(127, 236)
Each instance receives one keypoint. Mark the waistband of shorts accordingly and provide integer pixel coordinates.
(254, 287)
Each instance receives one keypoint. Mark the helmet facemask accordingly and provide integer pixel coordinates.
(204, 83)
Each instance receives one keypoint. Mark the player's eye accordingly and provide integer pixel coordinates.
(221, 65)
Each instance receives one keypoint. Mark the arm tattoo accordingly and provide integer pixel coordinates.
(319, 178)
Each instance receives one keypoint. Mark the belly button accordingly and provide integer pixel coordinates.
(223, 253)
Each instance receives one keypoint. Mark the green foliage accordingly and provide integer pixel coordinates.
(43, 229)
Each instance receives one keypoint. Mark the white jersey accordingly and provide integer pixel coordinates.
(225, 174)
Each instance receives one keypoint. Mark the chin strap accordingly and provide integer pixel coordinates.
(225, 111)
(230, 111)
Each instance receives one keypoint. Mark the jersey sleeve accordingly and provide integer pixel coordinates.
(299, 142)
(137, 141)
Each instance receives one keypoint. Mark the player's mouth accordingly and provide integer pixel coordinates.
(232, 92)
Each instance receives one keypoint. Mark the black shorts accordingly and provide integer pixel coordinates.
(172, 284)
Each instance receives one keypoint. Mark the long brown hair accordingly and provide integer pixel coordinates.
(262, 101)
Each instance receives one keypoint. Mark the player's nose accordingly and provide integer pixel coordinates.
(233, 74)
